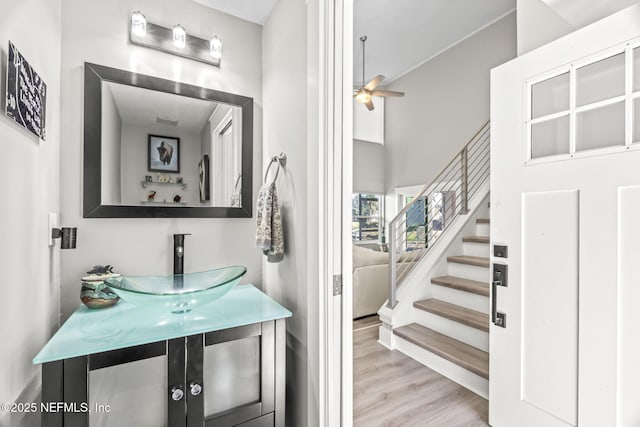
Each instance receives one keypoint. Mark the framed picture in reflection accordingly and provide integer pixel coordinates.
(163, 154)
(203, 172)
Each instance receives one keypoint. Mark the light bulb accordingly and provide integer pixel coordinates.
(179, 36)
(215, 47)
(138, 24)
(363, 97)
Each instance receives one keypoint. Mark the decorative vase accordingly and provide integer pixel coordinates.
(95, 294)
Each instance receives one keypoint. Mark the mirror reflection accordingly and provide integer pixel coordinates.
(164, 149)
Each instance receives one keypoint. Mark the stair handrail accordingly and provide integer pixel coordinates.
(457, 183)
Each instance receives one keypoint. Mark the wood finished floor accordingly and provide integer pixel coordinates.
(391, 389)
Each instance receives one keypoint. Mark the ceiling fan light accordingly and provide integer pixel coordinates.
(363, 97)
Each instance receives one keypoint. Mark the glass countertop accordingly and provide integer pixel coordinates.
(90, 331)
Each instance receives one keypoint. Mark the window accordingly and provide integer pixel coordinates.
(416, 219)
(367, 223)
(590, 105)
(427, 218)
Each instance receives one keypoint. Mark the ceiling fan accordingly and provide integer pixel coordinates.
(363, 94)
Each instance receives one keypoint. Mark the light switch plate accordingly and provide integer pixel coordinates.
(53, 223)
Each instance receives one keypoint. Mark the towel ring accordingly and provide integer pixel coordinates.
(282, 162)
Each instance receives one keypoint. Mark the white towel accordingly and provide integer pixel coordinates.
(269, 236)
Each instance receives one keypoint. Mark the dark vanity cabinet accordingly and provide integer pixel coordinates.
(223, 365)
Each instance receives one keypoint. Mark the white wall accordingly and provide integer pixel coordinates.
(446, 101)
(111, 149)
(31, 173)
(369, 168)
(285, 130)
(538, 24)
(97, 31)
(135, 148)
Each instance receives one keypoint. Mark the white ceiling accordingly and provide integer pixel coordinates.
(256, 11)
(142, 107)
(584, 12)
(402, 34)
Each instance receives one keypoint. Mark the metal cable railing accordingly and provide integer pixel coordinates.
(422, 221)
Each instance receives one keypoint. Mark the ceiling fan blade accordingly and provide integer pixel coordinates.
(369, 105)
(375, 82)
(386, 93)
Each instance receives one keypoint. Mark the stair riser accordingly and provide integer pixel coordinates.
(468, 335)
(475, 249)
(482, 229)
(462, 298)
(471, 272)
(456, 373)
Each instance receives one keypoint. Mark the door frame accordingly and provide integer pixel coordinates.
(332, 111)
(330, 130)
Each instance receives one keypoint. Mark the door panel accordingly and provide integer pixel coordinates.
(550, 302)
(572, 298)
(126, 389)
(628, 314)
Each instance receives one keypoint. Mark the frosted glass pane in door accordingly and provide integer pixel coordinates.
(601, 80)
(636, 120)
(601, 127)
(550, 96)
(636, 69)
(231, 375)
(136, 394)
(550, 137)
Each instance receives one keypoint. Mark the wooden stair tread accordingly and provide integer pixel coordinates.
(464, 355)
(470, 260)
(471, 286)
(459, 314)
(476, 239)
(482, 221)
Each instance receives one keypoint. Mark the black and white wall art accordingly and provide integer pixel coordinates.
(164, 154)
(26, 94)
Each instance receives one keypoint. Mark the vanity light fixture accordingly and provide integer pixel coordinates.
(174, 40)
(215, 47)
(179, 36)
(138, 24)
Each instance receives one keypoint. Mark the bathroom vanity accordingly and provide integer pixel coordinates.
(219, 365)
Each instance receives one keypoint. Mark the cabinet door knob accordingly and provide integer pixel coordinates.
(196, 389)
(177, 393)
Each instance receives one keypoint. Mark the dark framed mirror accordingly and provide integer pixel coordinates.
(156, 148)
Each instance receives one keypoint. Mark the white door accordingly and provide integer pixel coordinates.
(565, 200)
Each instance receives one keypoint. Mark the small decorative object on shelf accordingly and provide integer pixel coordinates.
(179, 180)
(151, 196)
(148, 178)
(177, 198)
(94, 293)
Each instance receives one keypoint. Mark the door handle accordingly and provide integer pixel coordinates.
(494, 300)
(498, 319)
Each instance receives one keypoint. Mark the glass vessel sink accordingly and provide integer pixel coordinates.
(178, 293)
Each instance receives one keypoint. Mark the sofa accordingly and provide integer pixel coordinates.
(371, 279)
